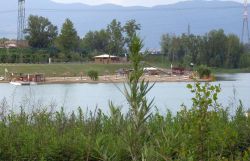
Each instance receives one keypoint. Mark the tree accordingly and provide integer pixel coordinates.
(234, 50)
(40, 32)
(116, 39)
(217, 46)
(68, 40)
(130, 28)
(166, 43)
(245, 60)
(213, 49)
(172, 47)
(96, 41)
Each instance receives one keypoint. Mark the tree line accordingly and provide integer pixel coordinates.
(66, 45)
(214, 49)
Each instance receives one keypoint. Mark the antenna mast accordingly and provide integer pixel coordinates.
(189, 29)
(21, 20)
(245, 29)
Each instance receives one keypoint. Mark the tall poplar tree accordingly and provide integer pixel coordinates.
(68, 40)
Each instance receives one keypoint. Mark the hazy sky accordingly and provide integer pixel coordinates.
(129, 2)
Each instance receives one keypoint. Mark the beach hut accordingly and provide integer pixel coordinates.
(106, 59)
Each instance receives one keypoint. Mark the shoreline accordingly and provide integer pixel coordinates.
(116, 79)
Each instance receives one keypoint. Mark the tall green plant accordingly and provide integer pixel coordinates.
(139, 107)
(204, 103)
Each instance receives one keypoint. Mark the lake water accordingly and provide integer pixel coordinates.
(89, 96)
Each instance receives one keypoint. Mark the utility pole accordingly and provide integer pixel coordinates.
(20, 26)
(245, 29)
(20, 21)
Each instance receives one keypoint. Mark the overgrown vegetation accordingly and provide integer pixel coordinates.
(205, 131)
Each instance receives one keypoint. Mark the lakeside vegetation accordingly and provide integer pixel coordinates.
(230, 71)
(204, 131)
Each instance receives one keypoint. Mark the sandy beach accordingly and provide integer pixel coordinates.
(116, 79)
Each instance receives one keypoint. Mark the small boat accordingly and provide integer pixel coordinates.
(1, 78)
(21, 83)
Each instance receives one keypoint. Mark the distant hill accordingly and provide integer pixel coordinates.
(202, 16)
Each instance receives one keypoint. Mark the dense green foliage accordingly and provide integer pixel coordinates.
(93, 75)
(41, 33)
(215, 49)
(245, 60)
(68, 40)
(96, 42)
(115, 39)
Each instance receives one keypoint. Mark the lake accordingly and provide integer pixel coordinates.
(89, 96)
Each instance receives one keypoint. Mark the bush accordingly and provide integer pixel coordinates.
(93, 75)
(204, 71)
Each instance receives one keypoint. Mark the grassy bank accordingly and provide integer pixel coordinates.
(230, 71)
(61, 69)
